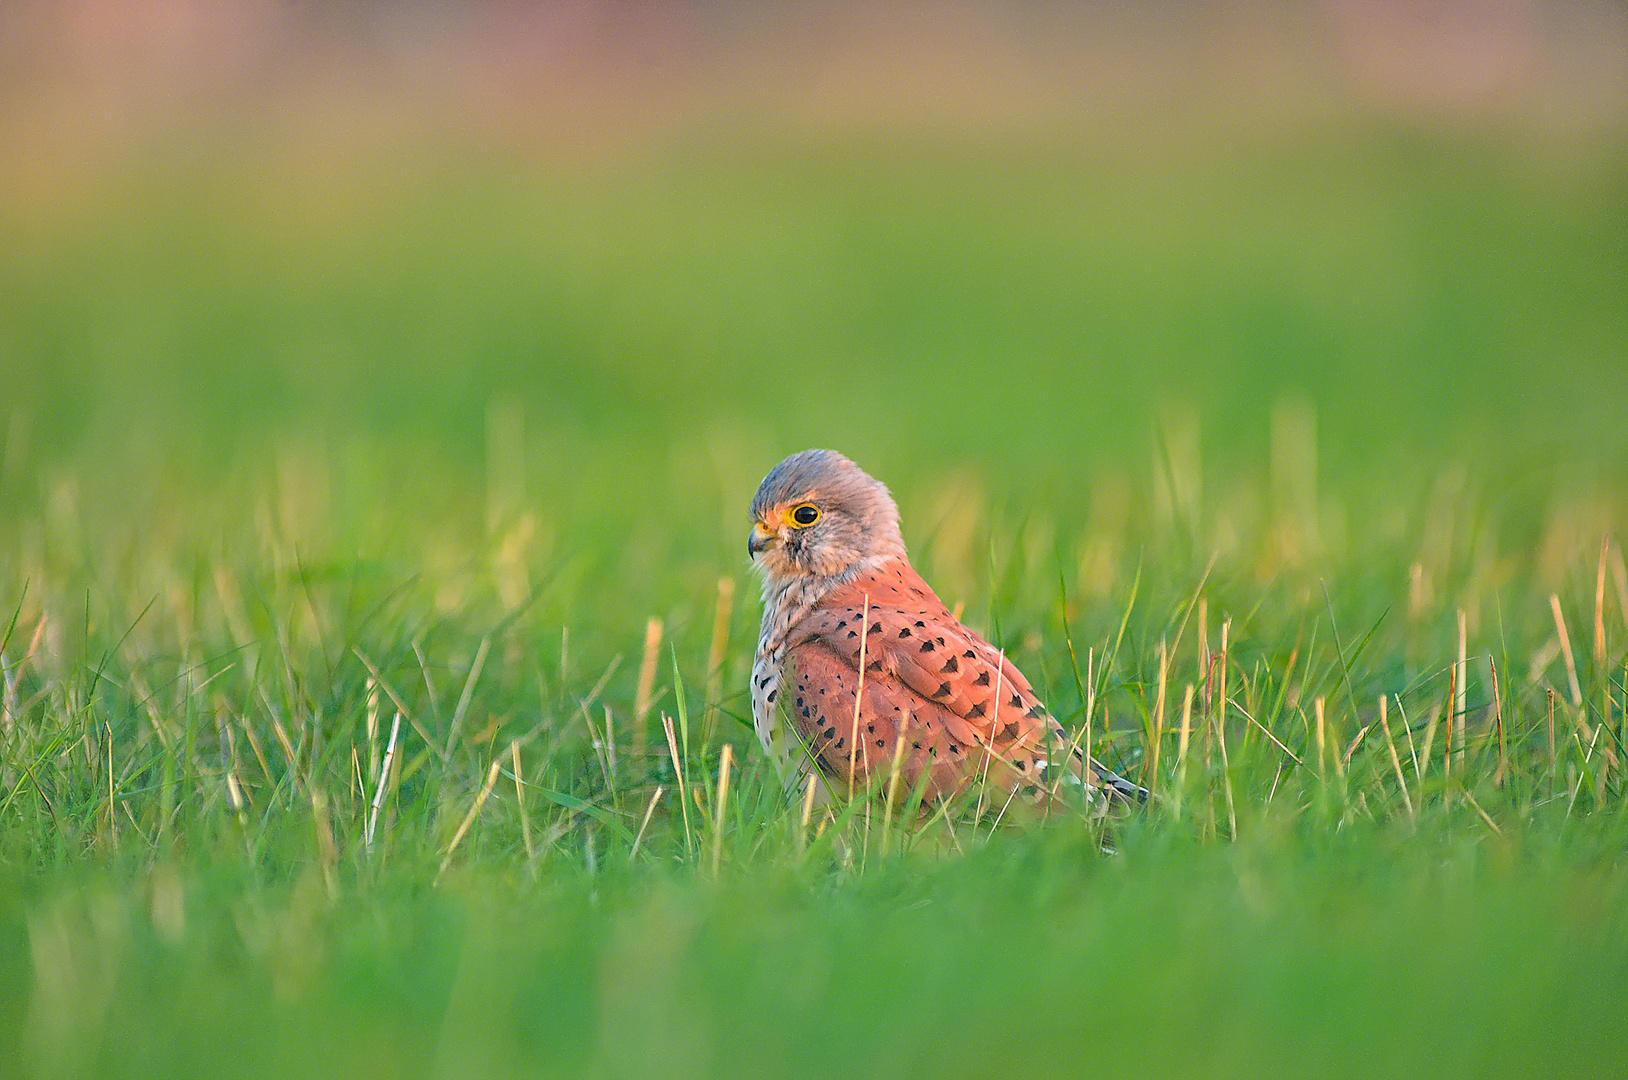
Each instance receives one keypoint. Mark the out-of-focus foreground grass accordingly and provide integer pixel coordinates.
(1325, 432)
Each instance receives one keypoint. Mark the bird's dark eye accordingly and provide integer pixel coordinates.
(805, 515)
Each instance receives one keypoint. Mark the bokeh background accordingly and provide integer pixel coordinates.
(1070, 244)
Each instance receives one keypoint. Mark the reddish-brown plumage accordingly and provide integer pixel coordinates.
(965, 713)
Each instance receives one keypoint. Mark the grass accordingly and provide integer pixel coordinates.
(1315, 445)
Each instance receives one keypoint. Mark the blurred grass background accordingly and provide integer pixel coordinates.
(397, 357)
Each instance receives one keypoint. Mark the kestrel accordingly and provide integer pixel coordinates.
(846, 618)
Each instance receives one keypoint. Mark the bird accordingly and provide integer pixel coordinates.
(863, 674)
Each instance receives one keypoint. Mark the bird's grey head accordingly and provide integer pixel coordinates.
(817, 514)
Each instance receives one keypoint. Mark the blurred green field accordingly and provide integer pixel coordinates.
(294, 444)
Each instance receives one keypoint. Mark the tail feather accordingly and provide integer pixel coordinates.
(1109, 781)
(1120, 786)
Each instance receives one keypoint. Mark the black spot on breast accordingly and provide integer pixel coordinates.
(1022, 765)
(871, 728)
(949, 665)
(874, 665)
(1036, 710)
(928, 646)
(943, 690)
(1010, 732)
(841, 741)
(1017, 702)
(841, 623)
(799, 701)
(954, 748)
(976, 711)
(853, 633)
(775, 691)
(970, 655)
(918, 621)
(981, 680)
(879, 742)
(904, 631)
(939, 640)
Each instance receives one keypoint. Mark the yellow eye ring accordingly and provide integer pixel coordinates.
(801, 517)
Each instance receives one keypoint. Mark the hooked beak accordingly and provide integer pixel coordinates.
(758, 539)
